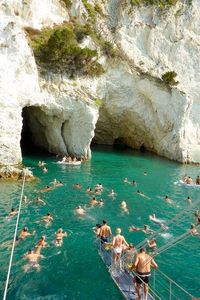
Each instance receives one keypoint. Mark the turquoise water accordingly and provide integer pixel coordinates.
(75, 270)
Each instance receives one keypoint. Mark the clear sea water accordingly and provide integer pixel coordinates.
(75, 270)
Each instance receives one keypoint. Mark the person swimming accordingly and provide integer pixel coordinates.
(46, 189)
(141, 194)
(124, 207)
(59, 237)
(77, 186)
(101, 203)
(97, 230)
(40, 201)
(40, 244)
(155, 220)
(12, 213)
(33, 258)
(48, 218)
(112, 193)
(167, 199)
(80, 211)
(146, 229)
(23, 234)
(94, 201)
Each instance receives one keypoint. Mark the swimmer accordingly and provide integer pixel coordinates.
(25, 199)
(54, 182)
(80, 211)
(46, 189)
(12, 213)
(40, 244)
(23, 234)
(134, 183)
(167, 199)
(141, 194)
(126, 180)
(77, 186)
(146, 229)
(189, 200)
(112, 193)
(155, 220)
(124, 207)
(40, 201)
(41, 163)
(45, 170)
(59, 237)
(93, 201)
(134, 228)
(48, 218)
(97, 230)
(145, 173)
(33, 258)
(188, 180)
(152, 244)
(101, 203)
(59, 184)
(89, 190)
(193, 230)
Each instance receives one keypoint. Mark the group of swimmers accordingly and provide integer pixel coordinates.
(70, 159)
(189, 180)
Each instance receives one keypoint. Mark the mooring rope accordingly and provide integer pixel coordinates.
(14, 239)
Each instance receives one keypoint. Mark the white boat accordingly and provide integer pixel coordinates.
(192, 185)
(75, 163)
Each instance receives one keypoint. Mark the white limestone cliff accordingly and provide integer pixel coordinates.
(138, 110)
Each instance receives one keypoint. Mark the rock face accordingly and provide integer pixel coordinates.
(10, 172)
(138, 109)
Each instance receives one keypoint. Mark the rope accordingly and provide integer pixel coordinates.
(14, 240)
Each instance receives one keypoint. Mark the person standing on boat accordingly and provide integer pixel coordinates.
(143, 265)
(119, 243)
(105, 232)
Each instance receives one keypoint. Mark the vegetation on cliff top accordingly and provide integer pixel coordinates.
(160, 3)
(57, 49)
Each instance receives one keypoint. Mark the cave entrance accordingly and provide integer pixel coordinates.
(31, 130)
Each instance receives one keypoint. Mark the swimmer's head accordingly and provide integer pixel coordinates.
(12, 209)
(104, 222)
(98, 225)
(118, 231)
(25, 228)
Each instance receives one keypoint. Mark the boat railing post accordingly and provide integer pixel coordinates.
(170, 290)
(154, 284)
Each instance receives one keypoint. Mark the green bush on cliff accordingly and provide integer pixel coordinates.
(58, 50)
(91, 11)
(160, 3)
(169, 78)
